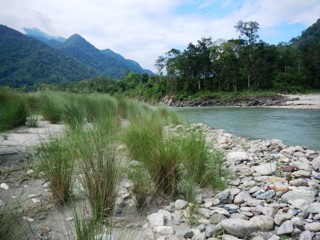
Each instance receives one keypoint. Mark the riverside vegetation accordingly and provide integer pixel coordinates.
(115, 155)
(88, 159)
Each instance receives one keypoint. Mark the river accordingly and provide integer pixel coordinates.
(292, 126)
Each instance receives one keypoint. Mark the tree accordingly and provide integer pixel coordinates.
(249, 31)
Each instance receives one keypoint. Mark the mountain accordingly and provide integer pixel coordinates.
(24, 60)
(52, 41)
(132, 64)
(106, 62)
(309, 38)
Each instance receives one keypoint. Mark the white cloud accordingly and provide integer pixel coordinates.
(143, 30)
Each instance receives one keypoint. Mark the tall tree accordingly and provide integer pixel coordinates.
(249, 30)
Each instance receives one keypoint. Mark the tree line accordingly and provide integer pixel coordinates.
(240, 64)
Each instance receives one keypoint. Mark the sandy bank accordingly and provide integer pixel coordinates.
(301, 101)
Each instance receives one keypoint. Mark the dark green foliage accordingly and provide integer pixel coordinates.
(27, 61)
(13, 111)
(106, 62)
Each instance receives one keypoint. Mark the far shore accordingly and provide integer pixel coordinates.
(281, 101)
(300, 101)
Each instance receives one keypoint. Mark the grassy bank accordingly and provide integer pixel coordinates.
(159, 162)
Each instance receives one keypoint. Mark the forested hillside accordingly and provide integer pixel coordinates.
(106, 62)
(24, 60)
(41, 58)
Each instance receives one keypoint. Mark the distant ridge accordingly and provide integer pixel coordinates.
(26, 61)
(105, 62)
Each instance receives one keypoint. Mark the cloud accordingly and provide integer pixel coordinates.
(143, 30)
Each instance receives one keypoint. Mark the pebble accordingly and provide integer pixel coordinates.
(4, 186)
(285, 228)
(313, 227)
(180, 204)
(239, 227)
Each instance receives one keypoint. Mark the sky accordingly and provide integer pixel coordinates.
(142, 30)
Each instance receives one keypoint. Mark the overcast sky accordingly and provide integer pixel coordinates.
(142, 30)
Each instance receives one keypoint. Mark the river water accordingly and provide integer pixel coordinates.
(292, 126)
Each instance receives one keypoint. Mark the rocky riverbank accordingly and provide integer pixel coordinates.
(277, 100)
(294, 101)
(273, 193)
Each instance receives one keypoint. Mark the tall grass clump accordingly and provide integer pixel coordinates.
(52, 104)
(99, 168)
(73, 111)
(200, 167)
(13, 111)
(98, 106)
(85, 227)
(57, 162)
(12, 224)
(159, 155)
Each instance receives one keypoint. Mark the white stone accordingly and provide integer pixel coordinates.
(242, 197)
(239, 227)
(229, 237)
(306, 235)
(301, 173)
(156, 219)
(208, 204)
(301, 165)
(281, 217)
(69, 219)
(4, 186)
(180, 204)
(219, 211)
(299, 194)
(28, 219)
(274, 237)
(313, 227)
(35, 200)
(316, 163)
(237, 157)
(164, 230)
(314, 208)
(265, 223)
(300, 203)
(265, 169)
(285, 228)
(167, 215)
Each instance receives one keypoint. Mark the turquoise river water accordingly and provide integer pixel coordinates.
(293, 126)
